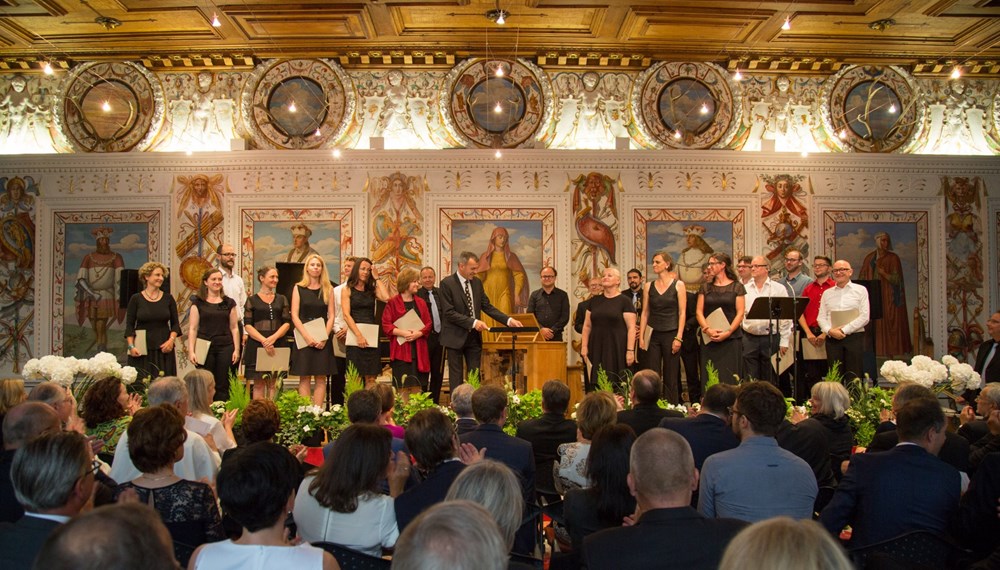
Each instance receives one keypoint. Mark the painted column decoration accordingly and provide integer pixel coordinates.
(784, 214)
(397, 224)
(595, 219)
(17, 270)
(965, 264)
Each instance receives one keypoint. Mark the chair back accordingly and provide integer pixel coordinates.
(350, 559)
(914, 550)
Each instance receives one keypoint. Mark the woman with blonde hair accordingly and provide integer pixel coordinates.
(12, 393)
(608, 339)
(410, 361)
(664, 303)
(200, 387)
(494, 486)
(312, 298)
(784, 544)
(155, 313)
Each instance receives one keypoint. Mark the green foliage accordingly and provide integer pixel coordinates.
(239, 396)
(520, 408)
(834, 373)
(603, 383)
(353, 381)
(406, 407)
(711, 375)
(301, 420)
(473, 379)
(865, 412)
(664, 404)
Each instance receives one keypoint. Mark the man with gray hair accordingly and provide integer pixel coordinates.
(61, 400)
(200, 461)
(461, 404)
(662, 478)
(458, 535)
(23, 423)
(974, 429)
(53, 478)
(989, 407)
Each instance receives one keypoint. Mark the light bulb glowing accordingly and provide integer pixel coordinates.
(842, 134)
(188, 152)
(892, 107)
(805, 154)
(292, 108)
(499, 71)
(336, 153)
(956, 73)
(317, 133)
(738, 76)
(500, 19)
(106, 107)
(498, 154)
(498, 108)
(704, 109)
(47, 68)
(215, 21)
(787, 25)
(677, 134)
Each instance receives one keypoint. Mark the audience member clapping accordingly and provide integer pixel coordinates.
(456, 535)
(201, 387)
(107, 410)
(784, 544)
(430, 436)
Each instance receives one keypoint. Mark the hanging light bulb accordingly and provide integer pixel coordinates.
(677, 134)
(189, 152)
(317, 133)
(215, 21)
(498, 108)
(704, 109)
(738, 76)
(47, 68)
(805, 154)
(499, 71)
(106, 107)
(498, 154)
(787, 25)
(842, 134)
(500, 18)
(892, 107)
(956, 73)
(336, 153)
(292, 108)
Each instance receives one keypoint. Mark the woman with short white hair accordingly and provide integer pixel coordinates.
(829, 402)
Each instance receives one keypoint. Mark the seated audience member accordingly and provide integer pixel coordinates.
(598, 409)
(461, 404)
(365, 407)
(201, 387)
(668, 532)
(987, 444)
(907, 488)
(457, 535)
(954, 452)
(188, 509)
(430, 436)
(758, 479)
(199, 460)
(829, 402)
(783, 543)
(808, 441)
(974, 429)
(494, 486)
(709, 432)
(113, 536)
(547, 432)
(61, 400)
(53, 478)
(608, 500)
(261, 421)
(11, 394)
(342, 504)
(107, 410)
(645, 414)
(387, 398)
(256, 488)
(977, 524)
(22, 424)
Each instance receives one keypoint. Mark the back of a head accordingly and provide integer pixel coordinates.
(46, 469)
(661, 464)
(719, 398)
(494, 486)
(647, 386)
(917, 416)
(386, 395)
(48, 393)
(784, 544)
(255, 482)
(598, 409)
(154, 435)
(261, 421)
(455, 535)
(555, 397)
(11, 393)
(197, 382)
(357, 463)
(833, 397)
(363, 407)
(430, 437)
(113, 537)
(461, 399)
(763, 405)
(909, 391)
(26, 421)
(488, 404)
(167, 390)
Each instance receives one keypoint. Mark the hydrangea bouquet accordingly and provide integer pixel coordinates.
(947, 375)
(67, 370)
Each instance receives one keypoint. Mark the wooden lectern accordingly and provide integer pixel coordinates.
(543, 360)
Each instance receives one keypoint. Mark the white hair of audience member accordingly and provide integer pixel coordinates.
(461, 399)
(782, 543)
(167, 390)
(454, 535)
(494, 486)
(833, 398)
(45, 470)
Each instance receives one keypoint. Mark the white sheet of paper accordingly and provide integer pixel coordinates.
(276, 363)
(646, 335)
(841, 318)
(201, 347)
(339, 348)
(370, 333)
(409, 321)
(316, 329)
(810, 352)
(140, 342)
(786, 361)
(716, 320)
(197, 426)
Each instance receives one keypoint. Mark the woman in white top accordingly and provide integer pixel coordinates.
(256, 487)
(341, 503)
(201, 386)
(598, 409)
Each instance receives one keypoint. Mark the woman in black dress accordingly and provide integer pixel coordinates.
(312, 299)
(723, 348)
(358, 303)
(664, 302)
(266, 318)
(214, 318)
(607, 339)
(155, 312)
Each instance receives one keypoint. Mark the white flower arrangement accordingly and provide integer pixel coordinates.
(947, 374)
(65, 369)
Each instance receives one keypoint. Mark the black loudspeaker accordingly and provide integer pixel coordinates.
(288, 275)
(129, 286)
(874, 287)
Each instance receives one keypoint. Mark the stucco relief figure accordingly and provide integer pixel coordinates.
(24, 118)
(590, 110)
(892, 335)
(596, 221)
(504, 279)
(693, 256)
(201, 115)
(395, 106)
(396, 226)
(17, 229)
(97, 285)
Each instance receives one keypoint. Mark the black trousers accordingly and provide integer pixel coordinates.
(849, 351)
(219, 361)
(757, 352)
(437, 366)
(660, 358)
(469, 357)
(691, 357)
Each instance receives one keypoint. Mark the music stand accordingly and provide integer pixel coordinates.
(513, 332)
(775, 309)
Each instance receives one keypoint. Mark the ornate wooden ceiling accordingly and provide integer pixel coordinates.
(926, 36)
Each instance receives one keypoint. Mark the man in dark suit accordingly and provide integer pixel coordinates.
(662, 477)
(907, 488)
(431, 439)
(547, 432)
(461, 404)
(23, 423)
(988, 357)
(645, 414)
(53, 476)
(976, 525)
(463, 300)
(709, 432)
(432, 296)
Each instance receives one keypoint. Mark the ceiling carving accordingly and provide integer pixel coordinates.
(925, 37)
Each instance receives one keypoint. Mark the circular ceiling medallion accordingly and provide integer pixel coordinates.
(872, 109)
(686, 105)
(297, 104)
(110, 107)
(494, 103)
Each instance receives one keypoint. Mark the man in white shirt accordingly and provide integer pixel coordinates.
(761, 335)
(339, 379)
(201, 460)
(232, 284)
(844, 343)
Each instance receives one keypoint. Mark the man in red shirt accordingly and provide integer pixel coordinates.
(812, 371)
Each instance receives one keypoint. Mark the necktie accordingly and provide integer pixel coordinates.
(434, 312)
(989, 358)
(468, 300)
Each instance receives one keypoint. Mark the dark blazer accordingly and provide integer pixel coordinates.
(954, 452)
(456, 324)
(580, 514)
(465, 425)
(884, 495)
(425, 295)
(545, 434)
(808, 440)
(644, 417)
(705, 433)
(974, 431)
(663, 538)
(21, 542)
(428, 493)
(10, 509)
(976, 524)
(993, 373)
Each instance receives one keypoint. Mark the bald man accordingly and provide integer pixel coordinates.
(845, 341)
